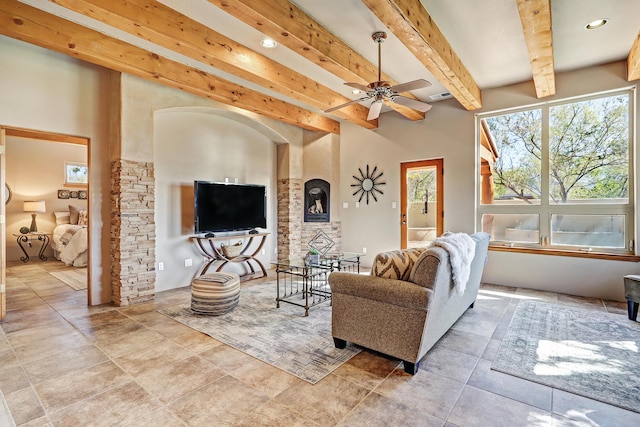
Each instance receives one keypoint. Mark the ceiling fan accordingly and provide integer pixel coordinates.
(381, 91)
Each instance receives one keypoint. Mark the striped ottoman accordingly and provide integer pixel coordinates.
(215, 293)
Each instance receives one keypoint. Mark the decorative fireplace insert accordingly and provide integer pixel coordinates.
(316, 200)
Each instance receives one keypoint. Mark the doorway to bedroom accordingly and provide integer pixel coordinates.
(45, 233)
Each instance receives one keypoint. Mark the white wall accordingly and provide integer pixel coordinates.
(192, 146)
(448, 132)
(47, 91)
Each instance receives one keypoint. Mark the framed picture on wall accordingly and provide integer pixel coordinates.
(75, 174)
(63, 194)
(82, 194)
(73, 194)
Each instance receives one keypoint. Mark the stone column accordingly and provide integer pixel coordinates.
(289, 217)
(133, 235)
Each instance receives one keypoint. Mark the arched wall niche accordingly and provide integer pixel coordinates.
(269, 132)
(207, 144)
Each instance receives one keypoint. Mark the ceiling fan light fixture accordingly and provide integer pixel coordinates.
(268, 43)
(381, 90)
(598, 23)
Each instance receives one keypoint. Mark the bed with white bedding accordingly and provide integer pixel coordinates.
(69, 240)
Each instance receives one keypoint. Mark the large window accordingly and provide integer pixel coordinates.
(559, 175)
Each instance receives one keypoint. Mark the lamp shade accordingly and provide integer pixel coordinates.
(30, 206)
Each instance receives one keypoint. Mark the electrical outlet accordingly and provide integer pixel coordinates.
(160, 266)
(364, 250)
(188, 262)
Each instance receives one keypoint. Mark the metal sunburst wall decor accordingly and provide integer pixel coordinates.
(367, 184)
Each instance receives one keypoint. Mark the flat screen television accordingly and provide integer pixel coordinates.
(222, 207)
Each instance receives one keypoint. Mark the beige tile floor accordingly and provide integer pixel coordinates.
(64, 364)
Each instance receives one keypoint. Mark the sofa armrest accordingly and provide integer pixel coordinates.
(389, 291)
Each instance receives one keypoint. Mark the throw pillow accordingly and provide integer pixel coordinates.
(62, 217)
(395, 264)
(74, 213)
(83, 217)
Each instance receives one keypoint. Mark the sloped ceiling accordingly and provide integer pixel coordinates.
(211, 47)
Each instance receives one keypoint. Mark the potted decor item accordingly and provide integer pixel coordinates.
(312, 257)
(24, 230)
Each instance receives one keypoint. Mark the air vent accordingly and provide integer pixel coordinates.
(440, 96)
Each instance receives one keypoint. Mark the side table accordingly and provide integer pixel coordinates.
(212, 250)
(42, 237)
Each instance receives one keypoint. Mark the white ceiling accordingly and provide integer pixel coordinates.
(486, 35)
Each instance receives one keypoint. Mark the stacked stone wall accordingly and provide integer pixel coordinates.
(290, 200)
(133, 232)
(332, 229)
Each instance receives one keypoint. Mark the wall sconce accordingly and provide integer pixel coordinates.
(33, 207)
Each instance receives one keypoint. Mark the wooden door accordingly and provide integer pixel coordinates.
(421, 202)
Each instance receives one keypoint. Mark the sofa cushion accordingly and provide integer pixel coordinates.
(402, 293)
(395, 264)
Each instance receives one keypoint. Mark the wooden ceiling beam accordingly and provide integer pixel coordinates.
(633, 60)
(290, 26)
(161, 25)
(34, 26)
(410, 22)
(536, 26)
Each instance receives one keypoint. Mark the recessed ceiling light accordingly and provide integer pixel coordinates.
(356, 91)
(596, 24)
(268, 43)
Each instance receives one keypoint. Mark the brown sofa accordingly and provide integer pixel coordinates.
(404, 318)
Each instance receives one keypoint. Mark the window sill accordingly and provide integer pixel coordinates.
(565, 252)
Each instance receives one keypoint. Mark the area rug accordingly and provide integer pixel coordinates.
(282, 337)
(76, 278)
(585, 352)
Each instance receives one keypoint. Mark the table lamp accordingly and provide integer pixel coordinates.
(33, 207)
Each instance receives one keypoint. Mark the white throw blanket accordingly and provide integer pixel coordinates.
(461, 248)
(74, 251)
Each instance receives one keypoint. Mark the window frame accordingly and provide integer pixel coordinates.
(545, 209)
(69, 180)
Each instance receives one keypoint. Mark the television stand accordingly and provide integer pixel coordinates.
(251, 244)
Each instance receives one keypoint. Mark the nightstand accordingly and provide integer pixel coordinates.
(28, 238)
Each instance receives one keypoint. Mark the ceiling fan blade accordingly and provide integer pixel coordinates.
(374, 110)
(359, 86)
(405, 87)
(355, 101)
(411, 103)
